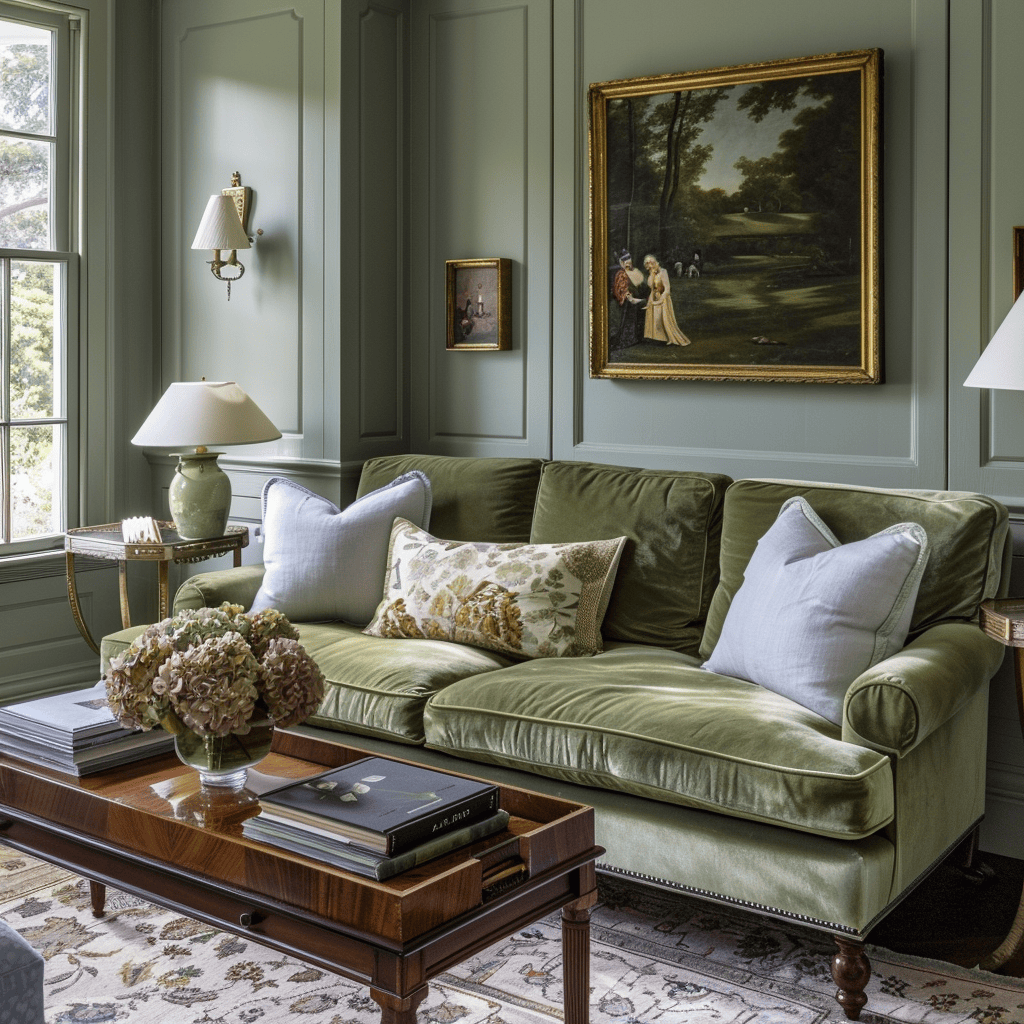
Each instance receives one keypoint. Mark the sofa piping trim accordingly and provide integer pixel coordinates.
(666, 743)
(692, 801)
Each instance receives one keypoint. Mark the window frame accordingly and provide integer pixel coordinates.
(67, 179)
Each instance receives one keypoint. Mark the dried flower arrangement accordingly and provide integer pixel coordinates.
(214, 670)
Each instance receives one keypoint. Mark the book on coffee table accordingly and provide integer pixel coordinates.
(350, 857)
(380, 804)
(75, 732)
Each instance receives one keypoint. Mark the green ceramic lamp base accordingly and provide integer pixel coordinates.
(199, 496)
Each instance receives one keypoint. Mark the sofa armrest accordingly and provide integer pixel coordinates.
(900, 701)
(237, 585)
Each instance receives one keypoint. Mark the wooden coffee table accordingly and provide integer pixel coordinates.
(148, 828)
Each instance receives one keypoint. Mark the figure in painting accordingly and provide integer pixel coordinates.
(660, 320)
(627, 285)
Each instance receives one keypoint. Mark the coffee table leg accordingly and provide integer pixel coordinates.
(576, 959)
(394, 1010)
(98, 896)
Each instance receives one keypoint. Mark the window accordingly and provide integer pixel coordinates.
(38, 269)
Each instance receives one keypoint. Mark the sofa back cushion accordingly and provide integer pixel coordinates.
(477, 499)
(968, 539)
(669, 566)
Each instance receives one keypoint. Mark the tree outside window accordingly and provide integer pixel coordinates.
(33, 278)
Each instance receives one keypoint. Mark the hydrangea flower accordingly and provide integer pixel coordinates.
(211, 686)
(290, 683)
(213, 670)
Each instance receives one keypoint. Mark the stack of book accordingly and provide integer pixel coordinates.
(377, 817)
(75, 732)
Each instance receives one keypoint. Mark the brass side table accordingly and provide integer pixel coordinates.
(1003, 619)
(107, 542)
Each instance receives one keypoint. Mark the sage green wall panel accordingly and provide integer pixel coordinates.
(368, 137)
(243, 89)
(986, 202)
(382, 309)
(891, 434)
(986, 428)
(41, 650)
(481, 188)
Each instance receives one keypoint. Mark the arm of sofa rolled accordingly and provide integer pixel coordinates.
(209, 589)
(900, 701)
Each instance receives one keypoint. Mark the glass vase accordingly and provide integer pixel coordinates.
(224, 761)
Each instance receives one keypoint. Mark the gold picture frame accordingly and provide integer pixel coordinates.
(1018, 262)
(719, 184)
(478, 305)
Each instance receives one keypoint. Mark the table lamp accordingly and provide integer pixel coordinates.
(1001, 365)
(197, 414)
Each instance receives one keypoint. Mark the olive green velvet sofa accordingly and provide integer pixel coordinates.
(700, 782)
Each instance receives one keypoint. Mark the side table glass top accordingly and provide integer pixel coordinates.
(107, 542)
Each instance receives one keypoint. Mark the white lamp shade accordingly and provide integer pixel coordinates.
(221, 227)
(193, 413)
(1001, 365)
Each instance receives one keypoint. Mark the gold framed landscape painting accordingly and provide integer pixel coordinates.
(735, 223)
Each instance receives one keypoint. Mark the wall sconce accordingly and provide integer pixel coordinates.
(225, 225)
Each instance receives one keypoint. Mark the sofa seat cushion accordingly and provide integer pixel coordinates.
(649, 721)
(374, 687)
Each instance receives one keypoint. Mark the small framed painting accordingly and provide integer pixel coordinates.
(735, 223)
(479, 304)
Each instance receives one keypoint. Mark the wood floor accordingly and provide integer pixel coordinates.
(951, 918)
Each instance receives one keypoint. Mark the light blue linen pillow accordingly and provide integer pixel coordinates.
(325, 563)
(813, 614)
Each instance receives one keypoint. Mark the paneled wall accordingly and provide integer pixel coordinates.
(482, 152)
(308, 101)
(986, 428)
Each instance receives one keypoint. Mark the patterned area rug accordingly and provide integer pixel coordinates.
(656, 957)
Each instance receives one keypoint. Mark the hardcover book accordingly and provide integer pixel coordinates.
(360, 861)
(78, 715)
(75, 732)
(380, 804)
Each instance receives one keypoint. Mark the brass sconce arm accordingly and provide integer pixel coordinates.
(216, 264)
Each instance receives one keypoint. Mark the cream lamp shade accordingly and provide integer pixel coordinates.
(221, 227)
(197, 414)
(1001, 365)
(194, 413)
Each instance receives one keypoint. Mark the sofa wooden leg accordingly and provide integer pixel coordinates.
(851, 971)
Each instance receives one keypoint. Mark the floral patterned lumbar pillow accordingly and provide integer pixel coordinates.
(527, 600)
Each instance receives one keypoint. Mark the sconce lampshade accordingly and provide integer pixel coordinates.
(196, 414)
(221, 227)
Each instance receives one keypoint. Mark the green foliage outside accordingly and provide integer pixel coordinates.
(34, 465)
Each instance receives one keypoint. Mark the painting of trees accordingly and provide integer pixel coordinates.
(750, 195)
